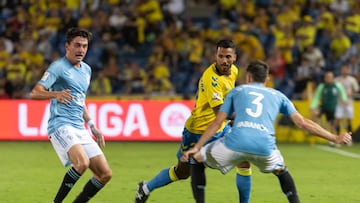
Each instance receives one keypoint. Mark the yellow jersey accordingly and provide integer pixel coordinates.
(212, 89)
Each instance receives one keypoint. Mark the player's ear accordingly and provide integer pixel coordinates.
(267, 79)
(248, 78)
(66, 45)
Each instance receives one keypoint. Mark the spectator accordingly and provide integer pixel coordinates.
(354, 64)
(340, 7)
(227, 9)
(151, 12)
(326, 98)
(345, 110)
(118, 18)
(246, 9)
(16, 69)
(303, 76)
(316, 62)
(53, 20)
(4, 58)
(286, 46)
(32, 76)
(112, 71)
(32, 56)
(288, 15)
(85, 21)
(305, 34)
(338, 47)
(133, 32)
(352, 25)
(173, 10)
(3, 92)
(158, 81)
(44, 46)
(277, 66)
(101, 85)
(135, 79)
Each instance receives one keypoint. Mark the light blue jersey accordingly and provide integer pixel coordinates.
(256, 108)
(62, 75)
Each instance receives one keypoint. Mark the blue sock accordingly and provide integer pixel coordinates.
(243, 183)
(161, 179)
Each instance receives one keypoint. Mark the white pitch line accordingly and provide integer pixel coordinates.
(339, 151)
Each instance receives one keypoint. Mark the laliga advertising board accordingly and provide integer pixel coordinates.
(118, 120)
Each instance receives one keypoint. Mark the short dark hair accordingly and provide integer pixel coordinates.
(77, 32)
(259, 70)
(226, 43)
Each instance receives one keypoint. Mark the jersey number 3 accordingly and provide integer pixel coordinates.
(257, 103)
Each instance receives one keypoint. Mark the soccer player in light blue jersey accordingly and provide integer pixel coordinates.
(65, 84)
(252, 136)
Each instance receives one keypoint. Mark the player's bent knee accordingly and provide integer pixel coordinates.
(105, 176)
(280, 171)
(81, 166)
(198, 157)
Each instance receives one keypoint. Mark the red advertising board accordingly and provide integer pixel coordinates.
(118, 120)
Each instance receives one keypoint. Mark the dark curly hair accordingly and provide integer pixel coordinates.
(259, 70)
(76, 32)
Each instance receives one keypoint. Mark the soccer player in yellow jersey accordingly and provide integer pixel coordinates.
(217, 80)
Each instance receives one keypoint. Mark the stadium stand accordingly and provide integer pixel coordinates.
(170, 41)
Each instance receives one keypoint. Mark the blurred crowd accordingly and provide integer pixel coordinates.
(159, 47)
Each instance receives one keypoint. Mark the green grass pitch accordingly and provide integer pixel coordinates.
(31, 172)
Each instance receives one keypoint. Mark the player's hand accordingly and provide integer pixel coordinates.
(64, 96)
(344, 138)
(189, 153)
(98, 135)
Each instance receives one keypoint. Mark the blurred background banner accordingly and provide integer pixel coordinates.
(125, 120)
(133, 120)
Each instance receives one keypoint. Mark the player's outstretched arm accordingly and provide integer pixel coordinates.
(316, 129)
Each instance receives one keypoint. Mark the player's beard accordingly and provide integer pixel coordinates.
(223, 69)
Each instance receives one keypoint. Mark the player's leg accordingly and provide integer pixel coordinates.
(287, 185)
(74, 173)
(197, 169)
(168, 175)
(339, 114)
(217, 156)
(349, 118)
(349, 125)
(243, 182)
(101, 170)
(69, 151)
(349, 114)
(198, 181)
(275, 164)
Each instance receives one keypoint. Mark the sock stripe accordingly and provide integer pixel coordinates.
(96, 183)
(172, 174)
(73, 174)
(244, 171)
